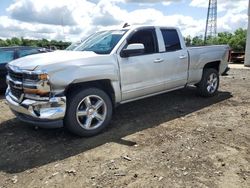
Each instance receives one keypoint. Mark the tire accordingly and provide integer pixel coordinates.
(209, 84)
(88, 112)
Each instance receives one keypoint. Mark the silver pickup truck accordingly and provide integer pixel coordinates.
(78, 89)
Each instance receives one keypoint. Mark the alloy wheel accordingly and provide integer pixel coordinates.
(91, 112)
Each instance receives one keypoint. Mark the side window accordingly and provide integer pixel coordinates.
(23, 53)
(146, 37)
(6, 56)
(171, 39)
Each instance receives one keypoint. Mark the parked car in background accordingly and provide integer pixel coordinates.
(237, 57)
(8, 54)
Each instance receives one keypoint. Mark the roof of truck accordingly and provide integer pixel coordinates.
(132, 27)
(141, 26)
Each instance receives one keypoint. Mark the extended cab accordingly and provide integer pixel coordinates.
(80, 88)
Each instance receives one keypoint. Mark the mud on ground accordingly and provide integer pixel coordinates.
(172, 140)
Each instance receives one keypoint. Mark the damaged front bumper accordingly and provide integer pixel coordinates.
(47, 114)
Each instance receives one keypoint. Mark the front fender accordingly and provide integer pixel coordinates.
(79, 74)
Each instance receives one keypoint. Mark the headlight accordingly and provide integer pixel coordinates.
(35, 76)
(43, 76)
(36, 83)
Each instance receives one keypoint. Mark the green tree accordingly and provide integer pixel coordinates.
(197, 41)
(238, 40)
(188, 40)
(16, 41)
(224, 37)
(3, 43)
(211, 40)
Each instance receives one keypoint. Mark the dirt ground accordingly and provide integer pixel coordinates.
(172, 140)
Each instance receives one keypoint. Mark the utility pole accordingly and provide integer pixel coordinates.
(247, 52)
(211, 24)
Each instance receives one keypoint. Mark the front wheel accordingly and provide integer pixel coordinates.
(88, 112)
(209, 84)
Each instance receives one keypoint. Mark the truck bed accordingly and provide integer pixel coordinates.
(200, 55)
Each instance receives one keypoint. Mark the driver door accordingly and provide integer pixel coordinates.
(142, 74)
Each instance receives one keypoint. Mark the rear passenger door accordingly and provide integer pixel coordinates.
(176, 59)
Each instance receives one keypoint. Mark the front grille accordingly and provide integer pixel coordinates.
(15, 75)
(16, 92)
(15, 83)
(33, 77)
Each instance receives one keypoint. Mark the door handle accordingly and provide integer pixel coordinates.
(158, 61)
(183, 57)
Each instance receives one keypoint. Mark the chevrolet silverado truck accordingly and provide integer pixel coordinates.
(79, 89)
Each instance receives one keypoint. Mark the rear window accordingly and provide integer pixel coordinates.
(6, 56)
(23, 53)
(171, 40)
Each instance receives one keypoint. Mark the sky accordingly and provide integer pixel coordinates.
(71, 20)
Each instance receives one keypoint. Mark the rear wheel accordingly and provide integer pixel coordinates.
(88, 112)
(209, 84)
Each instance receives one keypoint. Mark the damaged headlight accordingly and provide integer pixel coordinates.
(36, 83)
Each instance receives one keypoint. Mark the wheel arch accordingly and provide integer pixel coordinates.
(104, 84)
(214, 64)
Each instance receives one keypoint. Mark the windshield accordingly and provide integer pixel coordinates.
(101, 42)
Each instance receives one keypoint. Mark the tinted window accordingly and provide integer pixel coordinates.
(23, 53)
(171, 39)
(146, 37)
(6, 56)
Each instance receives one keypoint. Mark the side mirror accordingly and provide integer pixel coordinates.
(133, 50)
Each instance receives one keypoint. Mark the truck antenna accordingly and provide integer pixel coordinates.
(125, 25)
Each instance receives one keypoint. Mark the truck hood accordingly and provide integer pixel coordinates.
(33, 62)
